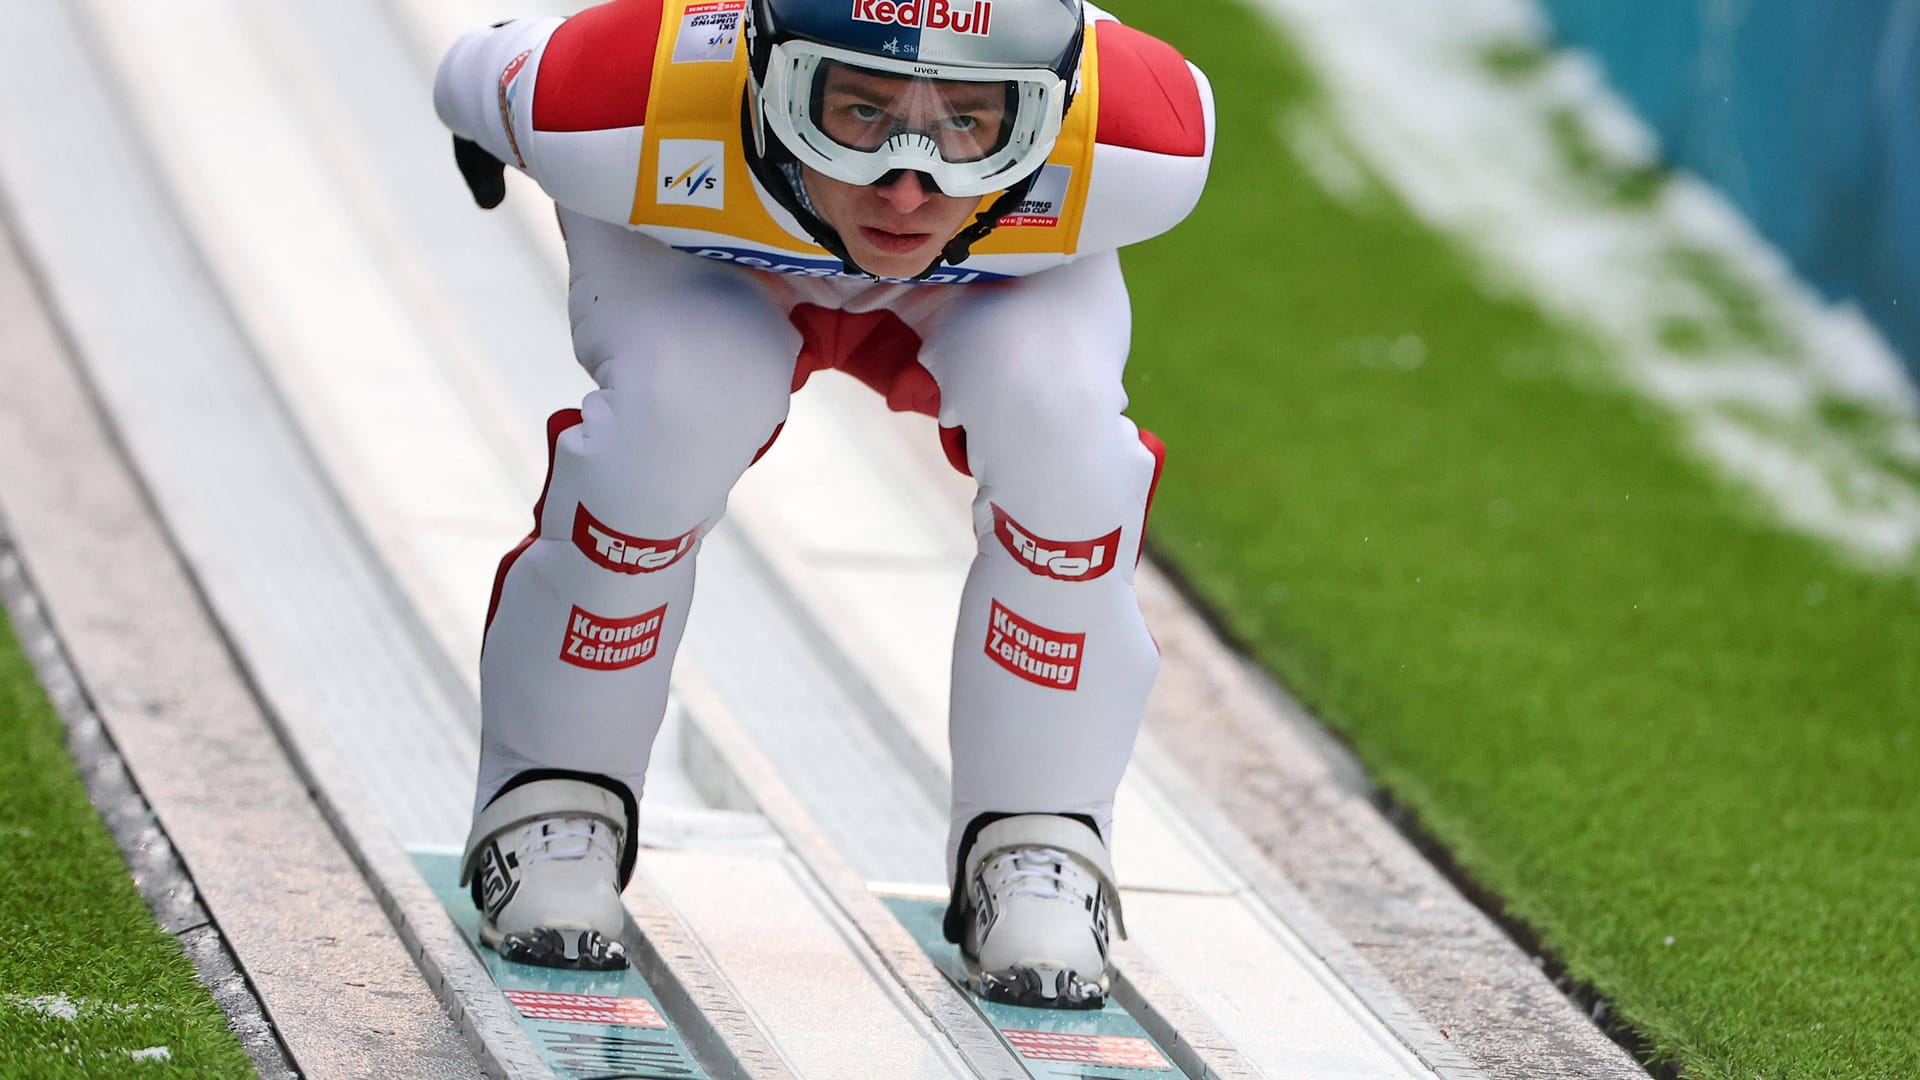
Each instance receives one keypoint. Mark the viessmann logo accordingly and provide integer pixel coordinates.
(692, 173)
(927, 15)
(1065, 560)
(1041, 208)
(627, 554)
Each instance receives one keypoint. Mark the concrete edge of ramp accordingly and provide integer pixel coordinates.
(309, 936)
(158, 873)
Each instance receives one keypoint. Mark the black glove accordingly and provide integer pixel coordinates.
(485, 174)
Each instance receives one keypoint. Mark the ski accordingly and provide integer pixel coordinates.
(583, 1024)
(1053, 1044)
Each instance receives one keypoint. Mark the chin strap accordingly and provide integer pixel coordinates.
(960, 248)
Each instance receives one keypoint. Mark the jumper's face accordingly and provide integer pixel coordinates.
(896, 228)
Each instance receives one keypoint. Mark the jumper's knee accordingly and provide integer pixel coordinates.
(1068, 449)
(663, 443)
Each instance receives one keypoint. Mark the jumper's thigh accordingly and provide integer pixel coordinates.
(1052, 658)
(694, 361)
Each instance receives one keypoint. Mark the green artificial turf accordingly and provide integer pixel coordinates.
(1681, 742)
(87, 979)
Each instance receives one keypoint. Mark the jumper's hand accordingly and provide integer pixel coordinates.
(485, 174)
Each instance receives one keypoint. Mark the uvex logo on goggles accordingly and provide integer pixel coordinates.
(927, 14)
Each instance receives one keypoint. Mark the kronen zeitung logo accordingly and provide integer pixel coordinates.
(927, 15)
(1049, 658)
(598, 643)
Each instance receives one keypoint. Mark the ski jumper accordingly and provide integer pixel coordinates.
(699, 305)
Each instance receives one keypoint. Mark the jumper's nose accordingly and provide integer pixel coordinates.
(906, 192)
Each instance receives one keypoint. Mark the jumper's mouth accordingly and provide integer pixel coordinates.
(894, 243)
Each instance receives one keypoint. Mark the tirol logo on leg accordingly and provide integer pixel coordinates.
(603, 644)
(627, 554)
(1064, 560)
(1033, 652)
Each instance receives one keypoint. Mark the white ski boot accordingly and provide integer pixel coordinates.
(547, 861)
(1035, 895)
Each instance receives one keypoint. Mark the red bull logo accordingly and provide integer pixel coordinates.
(927, 15)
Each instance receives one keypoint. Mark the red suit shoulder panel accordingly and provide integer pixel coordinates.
(1148, 97)
(597, 68)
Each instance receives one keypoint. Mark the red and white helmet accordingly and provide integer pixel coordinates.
(972, 96)
(969, 93)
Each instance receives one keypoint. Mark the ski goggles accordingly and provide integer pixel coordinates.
(857, 118)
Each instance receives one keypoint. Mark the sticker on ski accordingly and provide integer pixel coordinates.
(582, 1023)
(1054, 1044)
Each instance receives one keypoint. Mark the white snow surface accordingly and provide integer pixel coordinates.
(1413, 101)
(153, 1053)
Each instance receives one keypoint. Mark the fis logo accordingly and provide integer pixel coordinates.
(708, 31)
(1062, 560)
(927, 15)
(625, 554)
(692, 173)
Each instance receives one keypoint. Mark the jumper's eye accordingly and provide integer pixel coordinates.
(953, 120)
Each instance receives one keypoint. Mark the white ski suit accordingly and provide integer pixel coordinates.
(698, 305)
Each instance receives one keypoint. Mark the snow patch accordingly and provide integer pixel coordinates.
(1537, 168)
(152, 1053)
(1321, 152)
(58, 1006)
(62, 1007)
(1757, 382)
